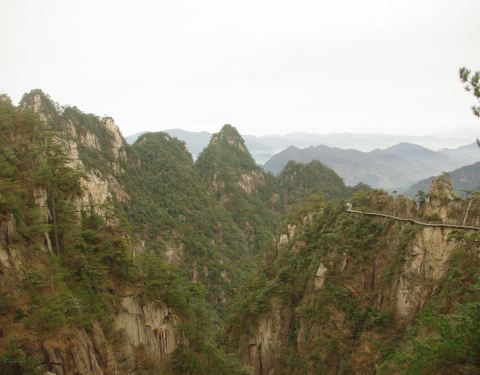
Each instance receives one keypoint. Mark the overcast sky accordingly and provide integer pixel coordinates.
(264, 66)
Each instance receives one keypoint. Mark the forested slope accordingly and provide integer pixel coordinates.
(123, 259)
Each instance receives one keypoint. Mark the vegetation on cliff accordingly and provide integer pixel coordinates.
(65, 267)
(339, 293)
(217, 251)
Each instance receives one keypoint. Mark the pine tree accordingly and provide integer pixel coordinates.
(472, 83)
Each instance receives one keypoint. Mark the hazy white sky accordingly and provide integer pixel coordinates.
(268, 66)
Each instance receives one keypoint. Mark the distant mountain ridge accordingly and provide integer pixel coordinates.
(395, 167)
(466, 178)
(264, 147)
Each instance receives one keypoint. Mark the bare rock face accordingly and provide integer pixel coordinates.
(440, 198)
(96, 190)
(320, 277)
(38, 102)
(98, 187)
(148, 325)
(229, 136)
(75, 352)
(250, 182)
(286, 237)
(90, 140)
(174, 253)
(117, 142)
(268, 340)
(9, 256)
(426, 262)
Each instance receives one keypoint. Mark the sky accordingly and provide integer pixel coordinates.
(264, 66)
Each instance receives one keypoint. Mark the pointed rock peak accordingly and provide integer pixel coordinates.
(5, 99)
(442, 188)
(229, 135)
(109, 123)
(40, 103)
(440, 196)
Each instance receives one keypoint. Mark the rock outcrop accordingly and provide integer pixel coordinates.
(76, 352)
(148, 325)
(78, 131)
(9, 255)
(325, 314)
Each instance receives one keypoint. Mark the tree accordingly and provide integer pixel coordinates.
(421, 198)
(472, 83)
(61, 181)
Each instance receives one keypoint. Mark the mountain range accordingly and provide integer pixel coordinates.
(121, 259)
(464, 179)
(264, 147)
(393, 168)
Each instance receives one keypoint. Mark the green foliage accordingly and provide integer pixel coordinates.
(297, 181)
(14, 361)
(472, 83)
(446, 335)
(241, 186)
(347, 246)
(171, 206)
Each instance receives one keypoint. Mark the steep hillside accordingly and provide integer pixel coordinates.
(395, 167)
(120, 259)
(75, 296)
(298, 181)
(176, 215)
(134, 259)
(240, 185)
(340, 293)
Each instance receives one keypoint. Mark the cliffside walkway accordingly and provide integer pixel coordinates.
(413, 221)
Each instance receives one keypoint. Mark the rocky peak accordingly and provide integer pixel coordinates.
(40, 103)
(5, 99)
(442, 188)
(230, 136)
(117, 141)
(441, 196)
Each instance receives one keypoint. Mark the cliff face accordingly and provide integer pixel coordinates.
(119, 259)
(148, 325)
(95, 149)
(92, 145)
(179, 217)
(340, 288)
(76, 352)
(80, 291)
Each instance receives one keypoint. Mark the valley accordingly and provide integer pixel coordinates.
(140, 259)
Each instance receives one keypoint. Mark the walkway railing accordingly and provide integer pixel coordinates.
(413, 221)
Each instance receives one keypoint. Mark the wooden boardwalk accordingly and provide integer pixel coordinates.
(413, 221)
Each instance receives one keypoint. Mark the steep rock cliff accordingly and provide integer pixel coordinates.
(340, 288)
(92, 145)
(148, 325)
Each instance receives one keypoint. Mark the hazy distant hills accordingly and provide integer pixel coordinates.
(465, 178)
(379, 160)
(395, 167)
(197, 141)
(263, 148)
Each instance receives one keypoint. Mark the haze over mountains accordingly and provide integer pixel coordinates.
(464, 179)
(264, 147)
(383, 161)
(396, 167)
